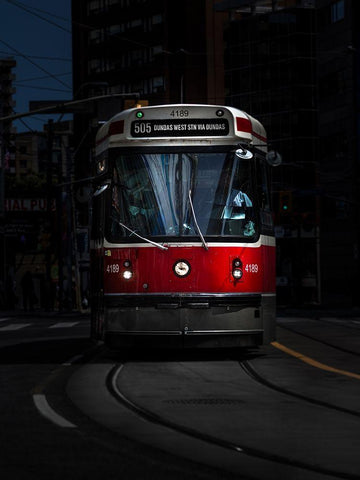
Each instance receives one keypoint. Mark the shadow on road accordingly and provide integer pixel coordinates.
(46, 351)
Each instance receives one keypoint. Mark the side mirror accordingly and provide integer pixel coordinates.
(273, 158)
(243, 153)
(100, 189)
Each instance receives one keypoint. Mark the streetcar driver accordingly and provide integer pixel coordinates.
(237, 208)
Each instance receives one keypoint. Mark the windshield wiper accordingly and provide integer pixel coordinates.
(162, 247)
(205, 245)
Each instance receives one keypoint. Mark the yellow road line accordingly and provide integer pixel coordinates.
(314, 363)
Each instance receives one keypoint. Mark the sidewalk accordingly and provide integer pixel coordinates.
(314, 311)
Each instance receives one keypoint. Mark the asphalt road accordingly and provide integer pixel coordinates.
(43, 435)
(71, 409)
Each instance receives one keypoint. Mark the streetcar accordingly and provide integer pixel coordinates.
(182, 240)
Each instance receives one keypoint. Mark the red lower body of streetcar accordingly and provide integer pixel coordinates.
(188, 296)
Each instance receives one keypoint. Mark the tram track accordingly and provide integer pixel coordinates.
(239, 448)
(251, 372)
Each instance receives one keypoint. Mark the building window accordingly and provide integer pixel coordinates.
(121, 88)
(137, 22)
(98, 65)
(100, 6)
(157, 84)
(155, 50)
(94, 66)
(337, 11)
(95, 36)
(94, 6)
(332, 84)
(23, 164)
(114, 29)
(157, 19)
(139, 87)
(136, 57)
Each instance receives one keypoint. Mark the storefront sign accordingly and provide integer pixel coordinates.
(27, 205)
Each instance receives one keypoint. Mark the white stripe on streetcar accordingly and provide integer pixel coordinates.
(14, 326)
(64, 324)
(47, 412)
(263, 240)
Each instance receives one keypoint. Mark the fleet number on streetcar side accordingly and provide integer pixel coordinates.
(252, 268)
(113, 268)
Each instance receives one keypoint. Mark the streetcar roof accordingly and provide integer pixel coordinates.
(180, 124)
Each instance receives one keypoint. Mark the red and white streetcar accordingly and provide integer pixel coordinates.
(182, 243)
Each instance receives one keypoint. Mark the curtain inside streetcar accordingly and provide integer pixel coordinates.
(152, 193)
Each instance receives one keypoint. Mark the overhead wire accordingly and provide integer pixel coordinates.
(38, 57)
(35, 64)
(24, 123)
(65, 74)
(39, 10)
(34, 87)
(39, 13)
(29, 9)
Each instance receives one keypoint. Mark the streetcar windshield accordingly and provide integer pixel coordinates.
(152, 193)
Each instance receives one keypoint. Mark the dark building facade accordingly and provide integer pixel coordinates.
(167, 51)
(6, 107)
(338, 59)
(159, 51)
(154, 51)
(36, 226)
(295, 65)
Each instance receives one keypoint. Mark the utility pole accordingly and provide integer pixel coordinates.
(2, 206)
(4, 129)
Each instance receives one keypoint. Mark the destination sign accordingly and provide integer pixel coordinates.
(208, 127)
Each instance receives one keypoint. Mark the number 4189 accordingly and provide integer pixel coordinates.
(252, 268)
(179, 113)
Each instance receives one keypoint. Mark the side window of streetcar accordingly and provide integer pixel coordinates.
(97, 217)
(264, 199)
(263, 185)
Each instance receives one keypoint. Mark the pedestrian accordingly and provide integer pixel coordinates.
(28, 292)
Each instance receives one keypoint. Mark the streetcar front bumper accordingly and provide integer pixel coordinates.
(188, 320)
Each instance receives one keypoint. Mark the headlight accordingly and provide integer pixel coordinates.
(127, 274)
(237, 272)
(181, 268)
